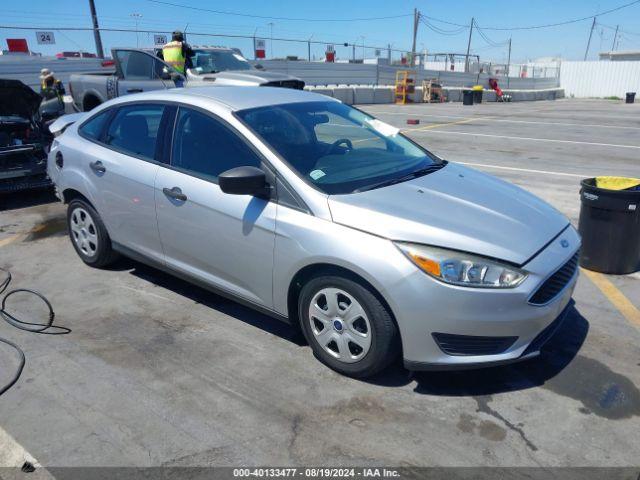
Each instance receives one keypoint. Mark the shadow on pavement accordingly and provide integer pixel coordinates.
(556, 355)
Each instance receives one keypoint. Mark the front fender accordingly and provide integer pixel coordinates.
(303, 240)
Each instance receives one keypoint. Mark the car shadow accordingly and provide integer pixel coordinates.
(555, 355)
(26, 198)
(216, 302)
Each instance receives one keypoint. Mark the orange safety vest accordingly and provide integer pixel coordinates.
(172, 54)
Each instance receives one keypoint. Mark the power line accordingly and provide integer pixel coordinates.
(442, 31)
(557, 24)
(487, 40)
(297, 19)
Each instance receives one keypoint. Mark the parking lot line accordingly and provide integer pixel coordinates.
(14, 455)
(507, 120)
(615, 296)
(20, 236)
(574, 142)
(526, 170)
(438, 125)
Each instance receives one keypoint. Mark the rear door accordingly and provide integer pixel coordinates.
(139, 72)
(224, 240)
(122, 167)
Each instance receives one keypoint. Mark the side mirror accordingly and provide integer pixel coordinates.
(176, 77)
(244, 181)
(164, 74)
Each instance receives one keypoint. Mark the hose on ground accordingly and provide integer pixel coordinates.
(46, 328)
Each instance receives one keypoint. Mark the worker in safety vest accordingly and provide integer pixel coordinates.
(50, 86)
(177, 52)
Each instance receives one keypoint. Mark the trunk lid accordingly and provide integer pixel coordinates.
(16, 98)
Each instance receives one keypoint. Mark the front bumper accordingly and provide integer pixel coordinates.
(424, 306)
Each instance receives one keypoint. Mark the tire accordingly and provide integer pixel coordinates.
(88, 235)
(350, 353)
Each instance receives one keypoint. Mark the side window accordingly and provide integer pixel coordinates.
(334, 127)
(95, 126)
(204, 146)
(134, 129)
(136, 65)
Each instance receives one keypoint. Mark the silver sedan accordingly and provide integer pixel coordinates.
(320, 215)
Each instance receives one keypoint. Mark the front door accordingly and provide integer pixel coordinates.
(139, 72)
(224, 240)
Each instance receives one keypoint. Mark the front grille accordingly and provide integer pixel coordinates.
(295, 84)
(556, 282)
(472, 345)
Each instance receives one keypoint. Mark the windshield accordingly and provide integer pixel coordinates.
(213, 61)
(338, 148)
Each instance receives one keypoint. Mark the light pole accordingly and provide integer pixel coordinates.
(137, 17)
(271, 45)
(363, 52)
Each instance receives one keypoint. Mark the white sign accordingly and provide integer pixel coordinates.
(260, 44)
(331, 48)
(159, 39)
(45, 38)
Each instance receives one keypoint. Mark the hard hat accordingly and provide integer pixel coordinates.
(45, 72)
(177, 35)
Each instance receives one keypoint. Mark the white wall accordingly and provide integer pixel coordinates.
(599, 78)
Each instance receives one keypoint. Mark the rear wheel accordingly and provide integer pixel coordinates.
(347, 327)
(89, 235)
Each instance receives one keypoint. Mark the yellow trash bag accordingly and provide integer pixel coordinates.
(617, 183)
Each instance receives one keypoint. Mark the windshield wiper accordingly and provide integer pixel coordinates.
(392, 181)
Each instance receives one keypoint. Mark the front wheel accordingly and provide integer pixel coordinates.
(347, 327)
(89, 235)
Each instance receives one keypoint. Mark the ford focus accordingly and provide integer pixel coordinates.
(320, 215)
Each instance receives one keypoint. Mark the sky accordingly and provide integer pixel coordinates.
(567, 41)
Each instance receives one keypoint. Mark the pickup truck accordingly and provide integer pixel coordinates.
(138, 70)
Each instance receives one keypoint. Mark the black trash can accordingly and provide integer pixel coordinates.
(610, 229)
(467, 97)
(477, 96)
(631, 97)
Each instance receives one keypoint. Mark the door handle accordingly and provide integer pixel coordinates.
(175, 192)
(97, 167)
(134, 90)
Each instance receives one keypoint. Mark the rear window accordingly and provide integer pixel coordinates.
(134, 129)
(94, 127)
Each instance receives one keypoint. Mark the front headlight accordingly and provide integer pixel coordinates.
(464, 269)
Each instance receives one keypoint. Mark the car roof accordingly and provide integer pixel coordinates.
(238, 98)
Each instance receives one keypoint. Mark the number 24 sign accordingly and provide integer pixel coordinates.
(45, 38)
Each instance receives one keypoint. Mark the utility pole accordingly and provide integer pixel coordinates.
(508, 62)
(416, 19)
(593, 26)
(353, 52)
(615, 36)
(466, 58)
(389, 53)
(96, 30)
(271, 42)
(309, 47)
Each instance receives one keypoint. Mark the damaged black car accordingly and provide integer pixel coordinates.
(24, 139)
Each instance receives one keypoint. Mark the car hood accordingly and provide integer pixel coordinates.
(16, 98)
(255, 77)
(457, 208)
